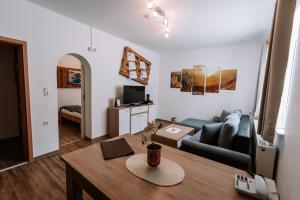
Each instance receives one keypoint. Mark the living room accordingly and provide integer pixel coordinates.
(168, 39)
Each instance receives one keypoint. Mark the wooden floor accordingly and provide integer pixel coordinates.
(11, 153)
(42, 179)
(69, 132)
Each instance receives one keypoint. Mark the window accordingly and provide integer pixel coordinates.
(288, 76)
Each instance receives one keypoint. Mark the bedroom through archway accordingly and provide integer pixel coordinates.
(74, 103)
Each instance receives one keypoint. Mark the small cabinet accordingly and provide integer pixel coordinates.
(133, 119)
(143, 121)
(152, 113)
(118, 121)
(138, 122)
(134, 124)
(139, 109)
(124, 121)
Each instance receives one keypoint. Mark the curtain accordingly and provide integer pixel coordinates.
(260, 79)
(276, 67)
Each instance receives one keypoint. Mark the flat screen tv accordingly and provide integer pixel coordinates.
(133, 94)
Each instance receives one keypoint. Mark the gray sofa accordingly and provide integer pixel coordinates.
(239, 155)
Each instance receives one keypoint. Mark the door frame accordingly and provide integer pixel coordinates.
(21, 47)
(86, 112)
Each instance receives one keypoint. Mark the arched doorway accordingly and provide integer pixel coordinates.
(74, 98)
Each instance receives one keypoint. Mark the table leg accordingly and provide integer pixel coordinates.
(74, 191)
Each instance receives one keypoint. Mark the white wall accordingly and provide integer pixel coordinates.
(244, 57)
(69, 61)
(49, 36)
(9, 125)
(69, 96)
(288, 172)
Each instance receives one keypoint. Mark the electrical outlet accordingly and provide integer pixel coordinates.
(46, 123)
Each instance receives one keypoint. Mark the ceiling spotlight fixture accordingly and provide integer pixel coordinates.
(159, 13)
(150, 4)
(154, 13)
(165, 21)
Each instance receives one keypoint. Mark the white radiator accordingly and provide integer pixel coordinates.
(265, 157)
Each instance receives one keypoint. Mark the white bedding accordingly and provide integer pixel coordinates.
(76, 114)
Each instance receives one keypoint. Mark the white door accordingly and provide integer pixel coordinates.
(124, 121)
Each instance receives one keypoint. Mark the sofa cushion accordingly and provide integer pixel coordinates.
(195, 137)
(224, 115)
(226, 156)
(194, 123)
(210, 133)
(239, 112)
(228, 131)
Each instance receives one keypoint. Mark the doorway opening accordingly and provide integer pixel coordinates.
(74, 99)
(15, 121)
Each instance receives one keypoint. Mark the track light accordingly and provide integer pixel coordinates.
(165, 22)
(150, 4)
(160, 14)
(154, 13)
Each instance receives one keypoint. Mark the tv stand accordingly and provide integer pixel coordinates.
(135, 104)
(129, 119)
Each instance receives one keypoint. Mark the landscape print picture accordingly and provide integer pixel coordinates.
(213, 80)
(74, 77)
(198, 80)
(187, 80)
(228, 79)
(175, 81)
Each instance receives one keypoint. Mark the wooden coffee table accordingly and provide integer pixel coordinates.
(173, 139)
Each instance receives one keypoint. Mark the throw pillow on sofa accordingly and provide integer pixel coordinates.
(224, 115)
(228, 131)
(239, 112)
(210, 133)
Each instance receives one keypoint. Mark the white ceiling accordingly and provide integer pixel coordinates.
(194, 23)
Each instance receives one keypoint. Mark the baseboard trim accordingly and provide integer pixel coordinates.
(47, 154)
(9, 139)
(103, 137)
(14, 166)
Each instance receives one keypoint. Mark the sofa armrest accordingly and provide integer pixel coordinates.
(218, 154)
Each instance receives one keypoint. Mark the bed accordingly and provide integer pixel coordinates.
(72, 113)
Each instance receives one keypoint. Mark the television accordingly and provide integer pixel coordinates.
(133, 94)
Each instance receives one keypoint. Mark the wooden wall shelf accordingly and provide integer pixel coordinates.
(125, 68)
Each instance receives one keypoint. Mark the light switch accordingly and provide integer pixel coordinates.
(46, 92)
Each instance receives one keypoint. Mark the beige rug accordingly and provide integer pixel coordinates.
(168, 173)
